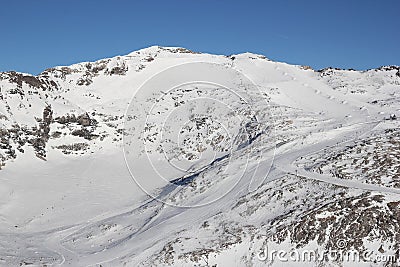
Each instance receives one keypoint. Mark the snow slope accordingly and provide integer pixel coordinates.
(170, 157)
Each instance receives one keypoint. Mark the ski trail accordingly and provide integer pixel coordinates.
(286, 161)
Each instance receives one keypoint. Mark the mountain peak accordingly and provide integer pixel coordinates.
(155, 49)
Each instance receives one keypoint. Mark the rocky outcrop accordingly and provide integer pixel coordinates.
(42, 133)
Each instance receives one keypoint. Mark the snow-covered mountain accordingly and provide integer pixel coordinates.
(167, 157)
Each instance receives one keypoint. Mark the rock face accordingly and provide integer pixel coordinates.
(39, 143)
(312, 163)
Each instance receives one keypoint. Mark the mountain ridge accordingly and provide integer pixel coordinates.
(173, 49)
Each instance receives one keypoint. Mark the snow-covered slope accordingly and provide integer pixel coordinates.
(170, 157)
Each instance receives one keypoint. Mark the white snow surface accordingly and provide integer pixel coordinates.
(84, 208)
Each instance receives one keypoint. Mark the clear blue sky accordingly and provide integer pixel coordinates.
(38, 34)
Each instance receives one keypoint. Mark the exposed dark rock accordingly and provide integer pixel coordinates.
(352, 219)
(68, 149)
(85, 120)
(85, 133)
(119, 70)
(85, 80)
(33, 81)
(69, 118)
(42, 133)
